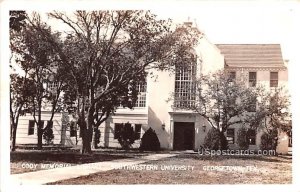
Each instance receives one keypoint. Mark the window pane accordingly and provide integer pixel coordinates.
(273, 79)
(232, 75)
(73, 129)
(252, 79)
(230, 136)
(31, 127)
(252, 105)
(184, 86)
(141, 99)
(137, 131)
(252, 136)
(118, 127)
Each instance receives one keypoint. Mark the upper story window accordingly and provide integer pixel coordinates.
(52, 86)
(232, 76)
(141, 98)
(252, 79)
(252, 136)
(252, 104)
(185, 87)
(273, 79)
(230, 136)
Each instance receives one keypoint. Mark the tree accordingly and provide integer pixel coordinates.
(272, 114)
(19, 99)
(17, 20)
(108, 54)
(19, 84)
(221, 100)
(42, 68)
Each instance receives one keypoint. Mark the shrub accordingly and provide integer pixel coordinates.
(269, 140)
(150, 141)
(215, 140)
(126, 136)
(48, 135)
(242, 138)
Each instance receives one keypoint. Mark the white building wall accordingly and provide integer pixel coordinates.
(160, 89)
(22, 136)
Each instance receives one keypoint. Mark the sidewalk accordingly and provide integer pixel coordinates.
(57, 174)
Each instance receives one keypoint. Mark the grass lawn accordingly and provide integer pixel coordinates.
(31, 160)
(252, 170)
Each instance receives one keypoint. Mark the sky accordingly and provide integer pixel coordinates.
(221, 21)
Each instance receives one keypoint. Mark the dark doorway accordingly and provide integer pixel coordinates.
(184, 136)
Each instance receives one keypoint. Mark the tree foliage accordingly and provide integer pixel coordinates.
(19, 85)
(107, 54)
(37, 59)
(221, 100)
(226, 102)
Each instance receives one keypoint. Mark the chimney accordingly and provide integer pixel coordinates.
(188, 24)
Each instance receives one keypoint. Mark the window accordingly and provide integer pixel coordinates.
(252, 79)
(232, 75)
(118, 128)
(185, 88)
(73, 129)
(52, 85)
(273, 79)
(42, 124)
(31, 127)
(252, 104)
(141, 99)
(252, 136)
(290, 138)
(230, 136)
(137, 131)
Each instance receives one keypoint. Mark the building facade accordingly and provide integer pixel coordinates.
(178, 129)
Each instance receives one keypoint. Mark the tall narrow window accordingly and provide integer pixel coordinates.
(252, 136)
(52, 85)
(118, 128)
(42, 124)
(252, 104)
(141, 100)
(137, 131)
(232, 76)
(31, 127)
(185, 86)
(273, 79)
(73, 129)
(252, 79)
(230, 136)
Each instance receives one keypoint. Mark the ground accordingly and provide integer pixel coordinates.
(191, 168)
(254, 170)
(31, 160)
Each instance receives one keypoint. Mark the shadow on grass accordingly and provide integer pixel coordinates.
(65, 157)
(223, 157)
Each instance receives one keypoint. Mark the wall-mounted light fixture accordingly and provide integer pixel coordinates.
(204, 127)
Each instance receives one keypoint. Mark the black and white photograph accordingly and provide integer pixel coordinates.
(169, 93)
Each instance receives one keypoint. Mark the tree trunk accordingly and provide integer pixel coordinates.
(40, 137)
(95, 139)
(14, 134)
(86, 136)
(40, 128)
